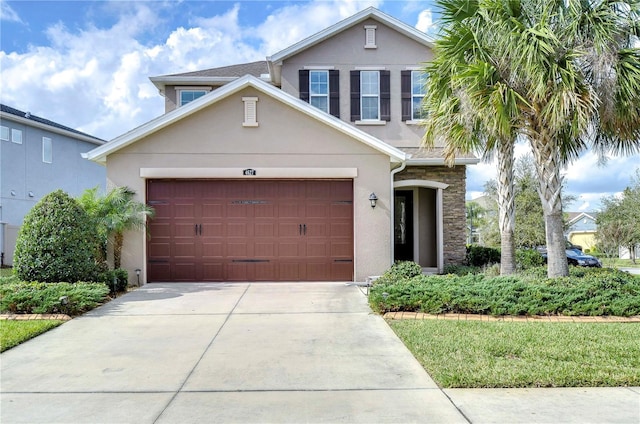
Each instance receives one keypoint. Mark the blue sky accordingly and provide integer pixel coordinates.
(85, 64)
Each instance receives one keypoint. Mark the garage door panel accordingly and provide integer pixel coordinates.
(242, 230)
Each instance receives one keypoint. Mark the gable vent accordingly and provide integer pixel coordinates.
(250, 112)
(370, 37)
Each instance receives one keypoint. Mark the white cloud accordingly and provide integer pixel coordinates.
(425, 21)
(8, 14)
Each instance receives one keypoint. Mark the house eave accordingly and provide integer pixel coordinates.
(161, 82)
(52, 129)
(441, 161)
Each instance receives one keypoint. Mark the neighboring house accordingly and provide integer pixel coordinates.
(582, 229)
(303, 167)
(38, 156)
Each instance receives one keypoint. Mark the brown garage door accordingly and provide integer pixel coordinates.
(261, 230)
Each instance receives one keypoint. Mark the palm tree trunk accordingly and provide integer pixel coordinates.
(118, 239)
(506, 208)
(548, 164)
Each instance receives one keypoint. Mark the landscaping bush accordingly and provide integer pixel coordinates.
(481, 256)
(51, 298)
(117, 280)
(400, 270)
(461, 269)
(528, 258)
(57, 242)
(585, 292)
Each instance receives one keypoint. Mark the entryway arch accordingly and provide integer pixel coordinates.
(418, 224)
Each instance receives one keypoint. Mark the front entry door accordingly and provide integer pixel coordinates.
(403, 226)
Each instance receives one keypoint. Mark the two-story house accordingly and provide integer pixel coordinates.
(304, 167)
(38, 156)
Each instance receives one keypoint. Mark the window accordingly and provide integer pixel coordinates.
(187, 96)
(16, 136)
(4, 133)
(370, 96)
(321, 88)
(413, 92)
(47, 150)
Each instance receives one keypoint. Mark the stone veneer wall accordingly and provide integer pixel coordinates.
(453, 199)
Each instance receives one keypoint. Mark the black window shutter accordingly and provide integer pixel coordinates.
(405, 88)
(385, 95)
(303, 84)
(355, 95)
(334, 92)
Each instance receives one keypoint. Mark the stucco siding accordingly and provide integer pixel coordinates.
(345, 52)
(214, 138)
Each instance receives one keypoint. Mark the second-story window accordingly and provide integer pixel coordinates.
(319, 89)
(187, 96)
(16, 136)
(47, 150)
(418, 81)
(412, 85)
(370, 95)
(4, 133)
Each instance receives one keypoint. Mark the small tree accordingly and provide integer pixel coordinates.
(113, 214)
(56, 242)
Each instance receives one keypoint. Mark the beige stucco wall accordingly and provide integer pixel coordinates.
(345, 52)
(285, 138)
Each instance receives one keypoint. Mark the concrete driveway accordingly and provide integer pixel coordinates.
(205, 353)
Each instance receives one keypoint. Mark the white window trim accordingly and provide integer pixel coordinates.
(50, 147)
(4, 133)
(372, 122)
(179, 91)
(14, 133)
(319, 68)
(362, 96)
(326, 96)
(370, 37)
(250, 112)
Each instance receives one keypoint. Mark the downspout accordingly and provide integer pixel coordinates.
(392, 208)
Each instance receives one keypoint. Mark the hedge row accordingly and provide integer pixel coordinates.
(586, 292)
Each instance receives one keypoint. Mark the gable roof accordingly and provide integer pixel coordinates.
(100, 154)
(28, 119)
(275, 60)
(370, 12)
(577, 216)
(214, 76)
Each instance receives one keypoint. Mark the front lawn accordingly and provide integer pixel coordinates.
(12, 333)
(512, 354)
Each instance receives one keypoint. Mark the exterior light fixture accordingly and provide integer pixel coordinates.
(13, 192)
(31, 194)
(373, 199)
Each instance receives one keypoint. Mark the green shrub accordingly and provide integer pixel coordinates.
(56, 242)
(399, 271)
(585, 292)
(528, 258)
(481, 256)
(461, 269)
(51, 298)
(117, 280)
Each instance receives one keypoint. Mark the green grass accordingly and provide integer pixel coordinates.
(12, 333)
(6, 272)
(509, 354)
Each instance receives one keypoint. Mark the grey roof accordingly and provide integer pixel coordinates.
(26, 115)
(253, 68)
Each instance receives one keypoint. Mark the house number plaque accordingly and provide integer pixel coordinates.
(249, 171)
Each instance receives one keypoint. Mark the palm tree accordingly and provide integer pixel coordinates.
(563, 75)
(115, 213)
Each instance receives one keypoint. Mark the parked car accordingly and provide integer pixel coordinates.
(576, 257)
